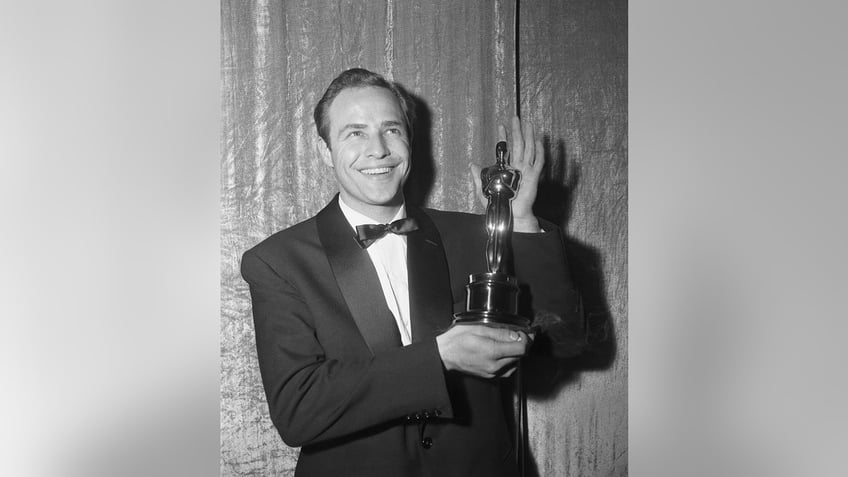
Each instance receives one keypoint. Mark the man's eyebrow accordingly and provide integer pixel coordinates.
(352, 126)
(359, 126)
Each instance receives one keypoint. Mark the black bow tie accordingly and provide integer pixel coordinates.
(369, 233)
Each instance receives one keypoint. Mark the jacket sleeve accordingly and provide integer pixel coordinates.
(548, 292)
(312, 397)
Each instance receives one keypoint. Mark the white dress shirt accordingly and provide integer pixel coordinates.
(388, 254)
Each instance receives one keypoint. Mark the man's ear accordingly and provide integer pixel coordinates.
(325, 153)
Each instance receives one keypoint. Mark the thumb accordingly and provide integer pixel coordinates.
(500, 334)
(478, 182)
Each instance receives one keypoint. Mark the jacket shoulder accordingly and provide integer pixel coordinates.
(449, 220)
(282, 242)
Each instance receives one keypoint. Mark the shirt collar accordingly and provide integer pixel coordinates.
(355, 218)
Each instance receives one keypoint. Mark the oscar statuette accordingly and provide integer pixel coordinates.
(492, 297)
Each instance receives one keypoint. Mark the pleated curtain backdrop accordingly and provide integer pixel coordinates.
(458, 59)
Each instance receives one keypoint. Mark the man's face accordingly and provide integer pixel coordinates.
(369, 150)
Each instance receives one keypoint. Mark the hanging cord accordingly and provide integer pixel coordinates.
(521, 418)
(515, 46)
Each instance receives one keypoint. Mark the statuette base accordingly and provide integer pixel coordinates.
(492, 300)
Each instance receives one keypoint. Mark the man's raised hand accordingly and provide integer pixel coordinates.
(528, 157)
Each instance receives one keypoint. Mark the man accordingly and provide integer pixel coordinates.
(360, 364)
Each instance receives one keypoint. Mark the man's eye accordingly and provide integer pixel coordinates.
(356, 134)
(396, 131)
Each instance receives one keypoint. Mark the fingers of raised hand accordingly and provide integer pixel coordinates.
(502, 133)
(539, 155)
(529, 144)
(527, 149)
(535, 161)
(517, 143)
(515, 140)
(478, 182)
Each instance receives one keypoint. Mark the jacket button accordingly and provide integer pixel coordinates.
(427, 443)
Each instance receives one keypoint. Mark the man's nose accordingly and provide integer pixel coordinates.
(377, 147)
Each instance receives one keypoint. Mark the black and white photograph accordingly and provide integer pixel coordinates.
(346, 237)
(490, 339)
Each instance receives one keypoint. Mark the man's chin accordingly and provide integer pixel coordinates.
(393, 200)
(384, 195)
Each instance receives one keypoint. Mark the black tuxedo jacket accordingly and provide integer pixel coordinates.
(337, 380)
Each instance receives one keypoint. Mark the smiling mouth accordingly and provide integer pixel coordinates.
(376, 171)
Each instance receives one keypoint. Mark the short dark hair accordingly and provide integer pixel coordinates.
(360, 78)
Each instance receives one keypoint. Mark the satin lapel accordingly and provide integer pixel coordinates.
(430, 302)
(357, 280)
